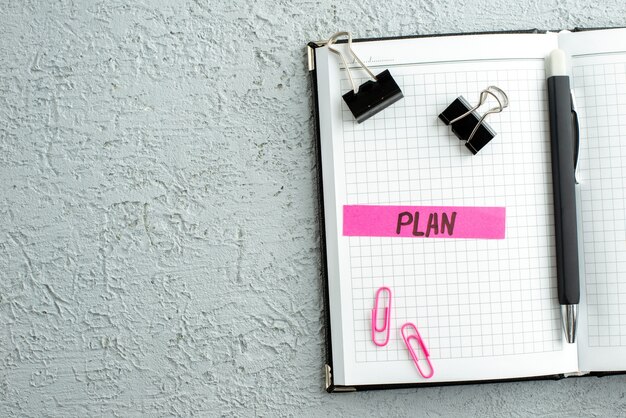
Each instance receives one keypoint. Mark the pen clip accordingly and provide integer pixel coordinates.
(576, 131)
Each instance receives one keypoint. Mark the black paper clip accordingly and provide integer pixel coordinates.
(467, 124)
(372, 96)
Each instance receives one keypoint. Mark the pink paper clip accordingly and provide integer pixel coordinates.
(417, 337)
(387, 320)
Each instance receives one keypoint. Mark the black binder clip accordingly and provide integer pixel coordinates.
(467, 124)
(372, 96)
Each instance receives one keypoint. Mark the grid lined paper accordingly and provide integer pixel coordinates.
(469, 298)
(601, 89)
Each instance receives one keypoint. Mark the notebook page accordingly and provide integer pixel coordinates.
(599, 85)
(487, 309)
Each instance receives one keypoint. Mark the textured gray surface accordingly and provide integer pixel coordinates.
(159, 243)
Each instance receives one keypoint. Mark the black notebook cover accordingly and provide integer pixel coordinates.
(328, 366)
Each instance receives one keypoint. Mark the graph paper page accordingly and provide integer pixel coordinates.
(599, 84)
(487, 309)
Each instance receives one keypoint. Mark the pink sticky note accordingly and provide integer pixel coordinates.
(424, 221)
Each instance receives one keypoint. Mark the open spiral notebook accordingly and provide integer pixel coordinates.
(487, 309)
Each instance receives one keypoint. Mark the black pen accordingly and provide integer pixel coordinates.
(564, 153)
